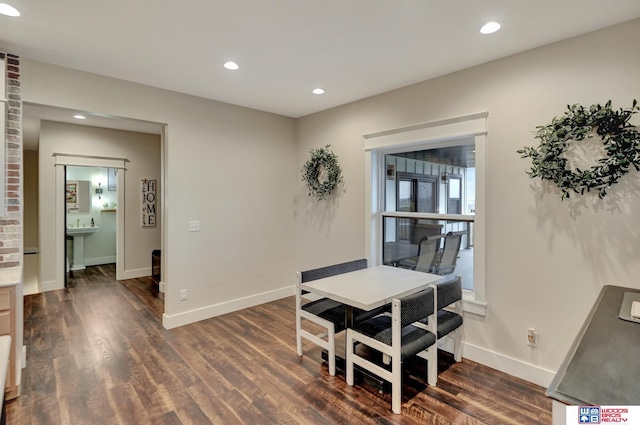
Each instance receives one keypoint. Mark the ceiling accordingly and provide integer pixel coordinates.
(353, 49)
(457, 156)
(34, 114)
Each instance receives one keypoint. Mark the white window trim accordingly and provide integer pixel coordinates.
(428, 135)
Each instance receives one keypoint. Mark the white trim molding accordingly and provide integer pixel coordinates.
(444, 130)
(527, 371)
(466, 129)
(65, 159)
(89, 160)
(180, 319)
(135, 273)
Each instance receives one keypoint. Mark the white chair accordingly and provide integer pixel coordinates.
(329, 314)
(399, 337)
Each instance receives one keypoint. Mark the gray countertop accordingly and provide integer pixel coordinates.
(603, 365)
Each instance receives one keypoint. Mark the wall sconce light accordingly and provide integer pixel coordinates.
(445, 178)
(99, 191)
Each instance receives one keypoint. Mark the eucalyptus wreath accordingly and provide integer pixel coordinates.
(322, 164)
(620, 138)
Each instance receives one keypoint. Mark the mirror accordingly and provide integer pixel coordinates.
(78, 196)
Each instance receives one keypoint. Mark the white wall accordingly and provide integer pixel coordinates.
(231, 168)
(142, 151)
(546, 260)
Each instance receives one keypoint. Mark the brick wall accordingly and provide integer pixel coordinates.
(10, 224)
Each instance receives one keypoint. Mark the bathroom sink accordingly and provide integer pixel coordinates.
(78, 234)
(81, 231)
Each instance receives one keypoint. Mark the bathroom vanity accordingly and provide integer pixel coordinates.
(78, 234)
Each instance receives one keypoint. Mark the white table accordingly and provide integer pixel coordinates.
(367, 289)
(370, 288)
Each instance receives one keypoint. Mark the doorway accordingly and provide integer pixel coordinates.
(49, 131)
(81, 165)
(90, 219)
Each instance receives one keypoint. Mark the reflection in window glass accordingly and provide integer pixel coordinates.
(471, 190)
(454, 188)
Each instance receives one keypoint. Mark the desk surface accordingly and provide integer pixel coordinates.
(373, 287)
(602, 366)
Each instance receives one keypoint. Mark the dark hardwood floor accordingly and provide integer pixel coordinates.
(97, 354)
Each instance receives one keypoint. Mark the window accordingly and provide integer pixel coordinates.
(453, 183)
(434, 185)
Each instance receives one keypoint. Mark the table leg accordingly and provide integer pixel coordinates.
(348, 316)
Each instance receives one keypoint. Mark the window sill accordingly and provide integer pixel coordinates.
(469, 305)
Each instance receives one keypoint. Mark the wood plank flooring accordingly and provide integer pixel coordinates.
(97, 354)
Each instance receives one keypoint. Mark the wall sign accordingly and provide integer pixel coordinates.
(148, 203)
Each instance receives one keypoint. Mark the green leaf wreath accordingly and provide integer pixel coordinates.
(322, 164)
(620, 138)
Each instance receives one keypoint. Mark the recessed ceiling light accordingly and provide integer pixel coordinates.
(9, 10)
(231, 65)
(490, 28)
(318, 91)
(79, 117)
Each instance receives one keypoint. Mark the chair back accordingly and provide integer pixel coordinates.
(450, 251)
(333, 270)
(417, 306)
(449, 292)
(427, 253)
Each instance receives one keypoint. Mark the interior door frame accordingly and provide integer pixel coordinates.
(66, 253)
(61, 162)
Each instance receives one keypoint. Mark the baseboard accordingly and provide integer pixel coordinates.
(161, 287)
(98, 261)
(506, 364)
(128, 274)
(136, 273)
(51, 285)
(180, 319)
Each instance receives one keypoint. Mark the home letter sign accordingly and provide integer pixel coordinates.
(148, 203)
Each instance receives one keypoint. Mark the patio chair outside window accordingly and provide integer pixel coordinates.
(446, 264)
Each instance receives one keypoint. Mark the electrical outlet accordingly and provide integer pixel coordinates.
(194, 226)
(183, 295)
(532, 337)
